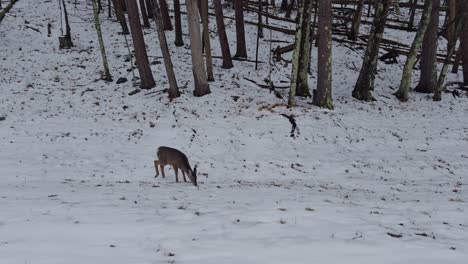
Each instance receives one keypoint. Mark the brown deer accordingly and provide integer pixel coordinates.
(178, 160)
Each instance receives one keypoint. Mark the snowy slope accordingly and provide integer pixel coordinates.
(76, 159)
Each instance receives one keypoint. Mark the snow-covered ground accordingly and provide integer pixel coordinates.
(76, 160)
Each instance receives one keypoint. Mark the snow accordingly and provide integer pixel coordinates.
(77, 177)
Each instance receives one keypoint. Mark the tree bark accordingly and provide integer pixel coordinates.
(165, 15)
(150, 8)
(241, 51)
(173, 89)
(295, 61)
(178, 25)
(356, 21)
(199, 74)
(464, 43)
(144, 14)
(428, 79)
(323, 94)
(405, 84)
(97, 24)
(119, 13)
(365, 82)
(141, 57)
(223, 40)
(206, 41)
(304, 59)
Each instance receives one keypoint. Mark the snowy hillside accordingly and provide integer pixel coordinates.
(381, 182)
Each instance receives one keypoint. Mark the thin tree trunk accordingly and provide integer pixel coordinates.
(365, 81)
(141, 57)
(464, 43)
(260, 23)
(241, 51)
(165, 15)
(173, 89)
(109, 9)
(323, 94)
(412, 14)
(223, 40)
(284, 5)
(356, 21)
(150, 8)
(144, 14)
(428, 79)
(119, 13)
(178, 25)
(206, 41)
(199, 74)
(450, 51)
(405, 84)
(289, 9)
(97, 24)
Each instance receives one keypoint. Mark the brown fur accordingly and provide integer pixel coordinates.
(178, 160)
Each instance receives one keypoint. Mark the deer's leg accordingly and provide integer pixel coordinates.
(176, 173)
(162, 170)
(183, 174)
(156, 162)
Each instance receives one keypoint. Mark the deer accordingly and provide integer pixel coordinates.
(178, 160)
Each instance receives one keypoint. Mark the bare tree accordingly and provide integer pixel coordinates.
(97, 24)
(119, 13)
(241, 51)
(464, 43)
(165, 15)
(428, 78)
(141, 57)
(365, 82)
(173, 89)
(199, 74)
(405, 84)
(206, 40)
(323, 94)
(144, 14)
(178, 24)
(224, 43)
(356, 21)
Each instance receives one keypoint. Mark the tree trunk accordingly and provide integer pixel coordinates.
(178, 25)
(141, 57)
(356, 21)
(295, 61)
(284, 5)
(405, 84)
(304, 58)
(97, 24)
(451, 24)
(289, 9)
(223, 40)
(67, 41)
(412, 14)
(109, 9)
(241, 51)
(119, 13)
(165, 15)
(199, 74)
(144, 14)
(450, 51)
(365, 82)
(173, 89)
(464, 43)
(150, 8)
(428, 79)
(323, 96)
(206, 41)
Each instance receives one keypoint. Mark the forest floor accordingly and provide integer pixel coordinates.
(380, 182)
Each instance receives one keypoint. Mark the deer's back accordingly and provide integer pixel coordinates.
(172, 156)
